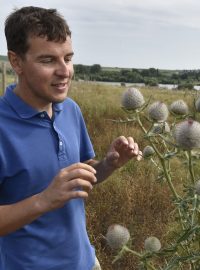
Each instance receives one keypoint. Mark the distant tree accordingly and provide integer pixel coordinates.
(145, 73)
(80, 69)
(151, 82)
(175, 76)
(186, 85)
(135, 70)
(125, 72)
(184, 75)
(153, 72)
(96, 68)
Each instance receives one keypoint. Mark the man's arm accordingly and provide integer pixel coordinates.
(119, 153)
(64, 187)
(14, 216)
(103, 169)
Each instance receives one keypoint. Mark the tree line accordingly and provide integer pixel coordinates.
(151, 76)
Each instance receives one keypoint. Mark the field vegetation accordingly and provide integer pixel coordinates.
(132, 196)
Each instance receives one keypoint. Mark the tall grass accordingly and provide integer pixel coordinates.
(131, 197)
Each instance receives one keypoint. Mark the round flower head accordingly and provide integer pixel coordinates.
(132, 99)
(160, 128)
(158, 111)
(197, 187)
(179, 107)
(187, 134)
(152, 244)
(148, 151)
(197, 104)
(117, 236)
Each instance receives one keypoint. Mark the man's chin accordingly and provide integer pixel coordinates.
(59, 100)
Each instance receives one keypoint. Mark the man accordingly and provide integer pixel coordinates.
(46, 157)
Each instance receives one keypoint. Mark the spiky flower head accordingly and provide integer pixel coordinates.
(158, 111)
(161, 128)
(152, 244)
(148, 151)
(187, 134)
(197, 187)
(197, 104)
(179, 107)
(132, 99)
(117, 236)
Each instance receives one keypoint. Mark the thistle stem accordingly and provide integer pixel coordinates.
(162, 161)
(191, 170)
(140, 123)
(149, 265)
(168, 177)
(125, 248)
(145, 131)
(194, 208)
(156, 165)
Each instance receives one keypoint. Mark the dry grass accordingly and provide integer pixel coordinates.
(131, 197)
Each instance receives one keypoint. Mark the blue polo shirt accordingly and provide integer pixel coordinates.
(33, 148)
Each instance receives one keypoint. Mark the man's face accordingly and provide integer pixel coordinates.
(46, 71)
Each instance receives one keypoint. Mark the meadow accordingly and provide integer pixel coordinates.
(132, 196)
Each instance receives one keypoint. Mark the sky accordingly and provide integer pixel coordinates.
(163, 34)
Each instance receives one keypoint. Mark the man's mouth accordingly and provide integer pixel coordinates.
(60, 86)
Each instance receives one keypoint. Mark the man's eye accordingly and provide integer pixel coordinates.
(46, 60)
(68, 59)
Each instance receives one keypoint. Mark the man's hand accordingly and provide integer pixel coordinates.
(121, 151)
(71, 182)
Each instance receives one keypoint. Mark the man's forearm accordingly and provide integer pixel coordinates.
(15, 216)
(104, 170)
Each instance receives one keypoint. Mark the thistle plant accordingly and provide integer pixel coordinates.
(117, 236)
(152, 244)
(167, 140)
(187, 133)
(158, 111)
(132, 99)
(148, 151)
(179, 107)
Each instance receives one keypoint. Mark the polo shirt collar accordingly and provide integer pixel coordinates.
(20, 107)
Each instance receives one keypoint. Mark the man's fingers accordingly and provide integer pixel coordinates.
(127, 146)
(82, 174)
(78, 183)
(80, 165)
(78, 194)
(78, 170)
(131, 143)
(121, 141)
(139, 156)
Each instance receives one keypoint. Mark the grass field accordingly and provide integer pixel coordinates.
(131, 196)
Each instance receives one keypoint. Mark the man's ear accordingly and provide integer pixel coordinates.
(15, 61)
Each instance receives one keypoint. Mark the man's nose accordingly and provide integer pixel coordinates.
(63, 69)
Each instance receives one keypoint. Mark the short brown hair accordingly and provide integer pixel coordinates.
(34, 21)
